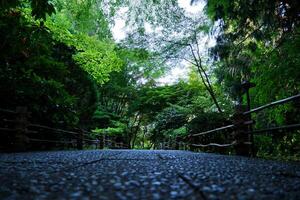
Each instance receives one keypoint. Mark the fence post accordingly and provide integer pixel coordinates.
(21, 140)
(97, 144)
(191, 141)
(101, 142)
(80, 140)
(246, 85)
(241, 134)
(177, 146)
(104, 141)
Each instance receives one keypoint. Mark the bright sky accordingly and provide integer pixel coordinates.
(119, 29)
(177, 72)
(193, 9)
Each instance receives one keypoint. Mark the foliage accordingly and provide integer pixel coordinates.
(85, 17)
(30, 74)
(96, 57)
(59, 59)
(181, 132)
(181, 110)
(39, 8)
(117, 128)
(285, 148)
(255, 38)
(258, 41)
(49, 69)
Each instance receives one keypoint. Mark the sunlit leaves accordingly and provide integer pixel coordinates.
(116, 128)
(99, 58)
(98, 64)
(86, 16)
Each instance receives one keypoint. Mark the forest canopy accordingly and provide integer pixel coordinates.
(65, 62)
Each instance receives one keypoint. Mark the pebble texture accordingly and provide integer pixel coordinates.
(139, 174)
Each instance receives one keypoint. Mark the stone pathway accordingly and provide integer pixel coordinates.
(144, 174)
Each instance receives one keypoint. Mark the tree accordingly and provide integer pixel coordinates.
(39, 8)
(258, 41)
(46, 70)
(252, 34)
(175, 36)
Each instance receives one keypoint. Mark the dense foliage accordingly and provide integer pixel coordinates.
(61, 60)
(259, 42)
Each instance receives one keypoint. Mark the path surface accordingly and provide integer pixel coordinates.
(125, 174)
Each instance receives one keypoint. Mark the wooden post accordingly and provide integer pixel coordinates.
(21, 140)
(113, 143)
(246, 85)
(97, 144)
(104, 140)
(101, 142)
(241, 134)
(80, 141)
(191, 141)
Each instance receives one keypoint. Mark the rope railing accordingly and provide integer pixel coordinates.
(215, 144)
(50, 141)
(214, 130)
(231, 126)
(7, 111)
(240, 125)
(20, 126)
(14, 129)
(120, 145)
(53, 129)
(82, 130)
(48, 128)
(59, 141)
(290, 127)
(73, 142)
(114, 144)
(93, 141)
(279, 102)
(172, 144)
(275, 103)
(7, 129)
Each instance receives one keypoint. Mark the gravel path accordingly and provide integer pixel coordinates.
(138, 174)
